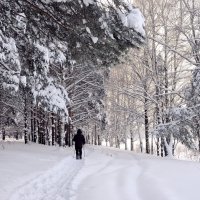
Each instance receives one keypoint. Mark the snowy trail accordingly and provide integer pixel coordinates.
(109, 174)
(112, 174)
(52, 185)
(101, 172)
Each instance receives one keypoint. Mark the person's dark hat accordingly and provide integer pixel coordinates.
(79, 131)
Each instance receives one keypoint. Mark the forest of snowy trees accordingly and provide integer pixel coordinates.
(89, 64)
(153, 96)
(54, 57)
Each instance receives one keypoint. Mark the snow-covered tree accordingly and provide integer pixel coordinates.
(42, 42)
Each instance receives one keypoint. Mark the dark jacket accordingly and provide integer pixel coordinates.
(79, 140)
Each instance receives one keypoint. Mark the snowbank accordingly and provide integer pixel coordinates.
(21, 163)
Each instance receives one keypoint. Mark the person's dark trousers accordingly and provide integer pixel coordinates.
(78, 153)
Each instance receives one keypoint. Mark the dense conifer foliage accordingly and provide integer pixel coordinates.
(53, 60)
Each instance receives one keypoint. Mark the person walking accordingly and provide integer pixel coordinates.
(79, 140)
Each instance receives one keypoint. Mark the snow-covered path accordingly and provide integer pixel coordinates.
(109, 174)
(104, 173)
(101, 172)
(52, 185)
(112, 174)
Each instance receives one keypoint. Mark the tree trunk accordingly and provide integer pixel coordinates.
(25, 118)
(34, 124)
(59, 131)
(70, 127)
(43, 127)
(99, 141)
(47, 129)
(66, 136)
(117, 142)
(95, 134)
(52, 129)
(126, 148)
(152, 144)
(56, 128)
(39, 126)
(141, 144)
(158, 146)
(48, 137)
(199, 140)
(3, 134)
(198, 134)
(17, 135)
(146, 124)
(162, 147)
(167, 145)
(132, 145)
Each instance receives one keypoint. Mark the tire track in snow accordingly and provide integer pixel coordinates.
(150, 187)
(107, 175)
(54, 184)
(92, 166)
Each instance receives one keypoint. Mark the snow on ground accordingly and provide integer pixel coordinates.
(20, 164)
(36, 172)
